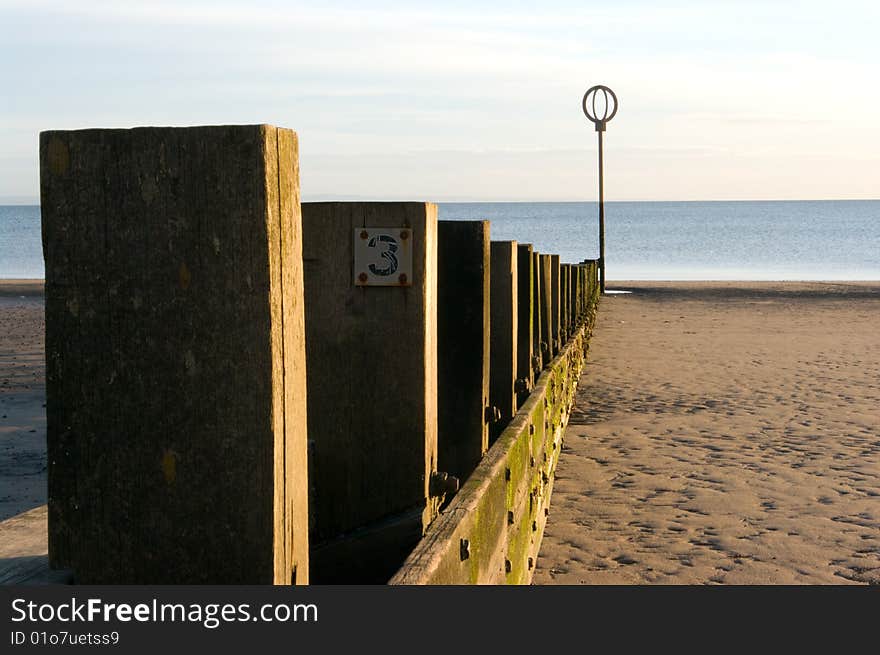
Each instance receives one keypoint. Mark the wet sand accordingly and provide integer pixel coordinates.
(723, 433)
(22, 398)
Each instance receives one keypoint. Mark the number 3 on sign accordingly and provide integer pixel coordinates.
(383, 256)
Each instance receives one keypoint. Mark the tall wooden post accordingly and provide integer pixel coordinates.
(525, 320)
(175, 387)
(547, 308)
(555, 304)
(371, 338)
(504, 331)
(539, 346)
(464, 411)
(565, 328)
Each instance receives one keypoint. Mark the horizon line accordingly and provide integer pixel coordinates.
(27, 201)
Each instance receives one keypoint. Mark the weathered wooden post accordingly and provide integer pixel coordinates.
(464, 411)
(371, 338)
(585, 289)
(547, 308)
(555, 304)
(504, 331)
(175, 386)
(525, 319)
(539, 347)
(565, 328)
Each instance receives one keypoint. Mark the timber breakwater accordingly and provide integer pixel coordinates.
(244, 388)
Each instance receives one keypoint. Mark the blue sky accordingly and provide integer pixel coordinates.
(470, 100)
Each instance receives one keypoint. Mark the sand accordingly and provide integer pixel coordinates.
(725, 433)
(22, 398)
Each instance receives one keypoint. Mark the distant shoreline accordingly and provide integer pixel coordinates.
(34, 286)
(33, 289)
(513, 202)
(21, 287)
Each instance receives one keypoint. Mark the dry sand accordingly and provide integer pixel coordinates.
(723, 433)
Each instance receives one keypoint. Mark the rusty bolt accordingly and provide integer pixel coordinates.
(404, 234)
(364, 234)
(508, 567)
(362, 277)
(465, 549)
(402, 278)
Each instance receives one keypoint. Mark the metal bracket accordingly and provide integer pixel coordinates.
(442, 483)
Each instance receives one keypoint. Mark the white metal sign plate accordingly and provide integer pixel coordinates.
(383, 256)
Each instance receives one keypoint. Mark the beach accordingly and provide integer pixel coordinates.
(22, 397)
(723, 433)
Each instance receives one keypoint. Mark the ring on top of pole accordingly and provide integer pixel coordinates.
(600, 106)
(602, 111)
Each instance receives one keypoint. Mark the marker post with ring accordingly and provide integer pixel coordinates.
(600, 106)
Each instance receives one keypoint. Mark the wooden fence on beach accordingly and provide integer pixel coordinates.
(244, 388)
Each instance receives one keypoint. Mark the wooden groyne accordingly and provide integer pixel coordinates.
(491, 531)
(243, 388)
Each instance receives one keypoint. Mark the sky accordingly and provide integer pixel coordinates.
(470, 100)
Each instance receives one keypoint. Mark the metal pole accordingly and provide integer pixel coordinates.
(601, 218)
(609, 109)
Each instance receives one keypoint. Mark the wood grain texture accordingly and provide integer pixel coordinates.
(555, 306)
(564, 311)
(546, 302)
(504, 330)
(176, 423)
(372, 372)
(463, 313)
(538, 347)
(525, 320)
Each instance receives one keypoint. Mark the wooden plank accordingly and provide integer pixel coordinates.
(176, 425)
(525, 319)
(462, 345)
(372, 376)
(504, 331)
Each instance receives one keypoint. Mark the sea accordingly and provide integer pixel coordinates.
(739, 240)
